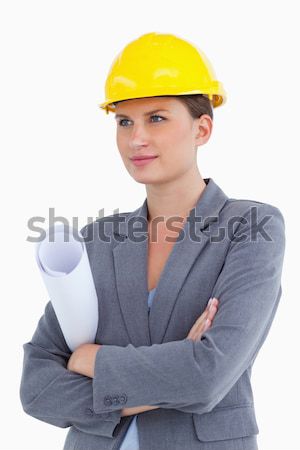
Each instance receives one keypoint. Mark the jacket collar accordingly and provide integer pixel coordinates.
(131, 261)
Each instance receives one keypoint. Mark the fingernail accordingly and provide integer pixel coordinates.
(210, 300)
(207, 323)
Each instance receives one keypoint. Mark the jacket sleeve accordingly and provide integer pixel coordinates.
(52, 393)
(195, 376)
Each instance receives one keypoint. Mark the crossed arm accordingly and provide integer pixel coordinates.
(82, 360)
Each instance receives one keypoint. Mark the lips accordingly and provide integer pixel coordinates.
(137, 158)
(143, 160)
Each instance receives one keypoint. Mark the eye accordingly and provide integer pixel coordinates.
(155, 115)
(121, 121)
(127, 120)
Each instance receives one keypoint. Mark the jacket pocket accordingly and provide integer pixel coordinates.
(226, 423)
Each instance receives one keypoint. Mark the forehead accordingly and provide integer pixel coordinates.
(146, 105)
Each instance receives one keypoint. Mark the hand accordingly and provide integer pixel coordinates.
(200, 326)
(137, 410)
(83, 359)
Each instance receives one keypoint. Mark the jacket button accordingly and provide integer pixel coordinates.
(107, 400)
(89, 411)
(123, 398)
(115, 400)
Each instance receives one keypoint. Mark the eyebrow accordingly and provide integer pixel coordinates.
(145, 114)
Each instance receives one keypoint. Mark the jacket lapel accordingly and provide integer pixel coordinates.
(130, 262)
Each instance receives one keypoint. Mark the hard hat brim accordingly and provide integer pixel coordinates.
(216, 99)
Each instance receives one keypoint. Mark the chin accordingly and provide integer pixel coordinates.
(145, 179)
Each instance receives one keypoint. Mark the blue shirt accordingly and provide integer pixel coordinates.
(131, 438)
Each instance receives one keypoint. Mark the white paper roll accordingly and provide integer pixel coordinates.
(65, 268)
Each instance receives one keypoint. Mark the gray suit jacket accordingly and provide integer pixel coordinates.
(233, 250)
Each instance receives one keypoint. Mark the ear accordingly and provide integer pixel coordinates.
(203, 129)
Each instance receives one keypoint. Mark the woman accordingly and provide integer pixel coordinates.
(168, 373)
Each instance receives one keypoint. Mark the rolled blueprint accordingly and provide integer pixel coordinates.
(65, 269)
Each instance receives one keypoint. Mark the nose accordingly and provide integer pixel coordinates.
(139, 136)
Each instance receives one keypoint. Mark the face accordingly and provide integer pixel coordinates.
(160, 127)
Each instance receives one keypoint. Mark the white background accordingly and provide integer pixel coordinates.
(58, 150)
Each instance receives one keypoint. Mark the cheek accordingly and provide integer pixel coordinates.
(183, 133)
(121, 144)
(176, 135)
(175, 142)
(118, 140)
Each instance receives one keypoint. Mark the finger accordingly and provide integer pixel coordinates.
(211, 313)
(202, 324)
(208, 313)
(200, 321)
(198, 326)
(207, 324)
(213, 301)
(200, 333)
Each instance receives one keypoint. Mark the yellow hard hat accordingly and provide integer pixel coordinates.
(158, 64)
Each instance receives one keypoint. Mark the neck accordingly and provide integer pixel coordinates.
(176, 197)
